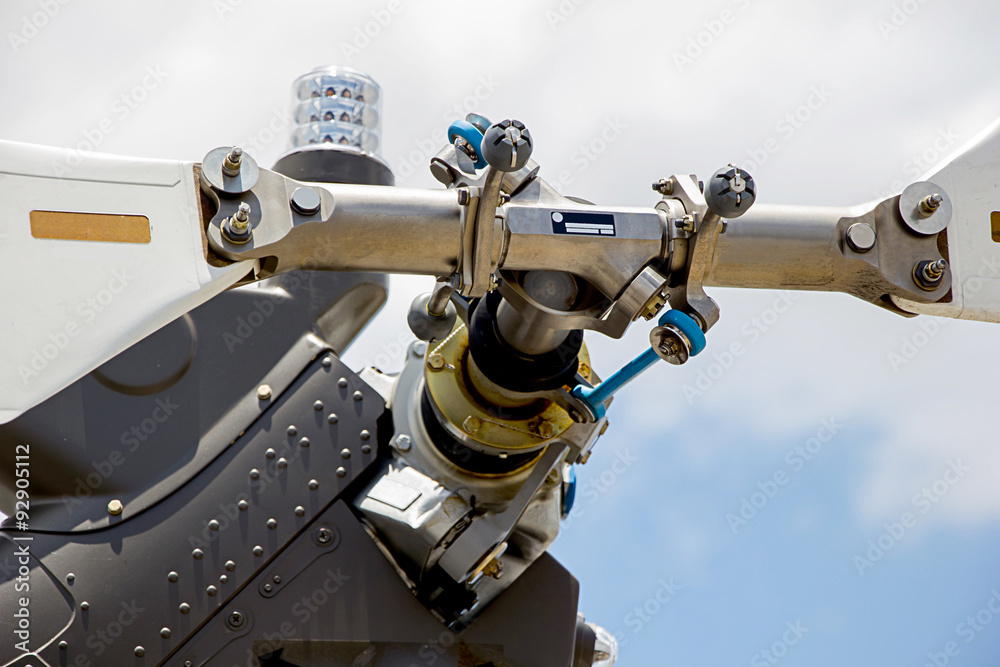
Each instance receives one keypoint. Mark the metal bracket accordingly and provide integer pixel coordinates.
(475, 545)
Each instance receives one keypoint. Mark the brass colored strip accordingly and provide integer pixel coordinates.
(108, 227)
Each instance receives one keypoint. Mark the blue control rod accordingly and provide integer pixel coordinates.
(595, 397)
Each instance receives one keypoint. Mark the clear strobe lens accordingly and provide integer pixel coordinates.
(339, 106)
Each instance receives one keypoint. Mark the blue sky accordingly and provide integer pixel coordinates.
(832, 103)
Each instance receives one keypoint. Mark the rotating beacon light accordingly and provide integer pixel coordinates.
(336, 132)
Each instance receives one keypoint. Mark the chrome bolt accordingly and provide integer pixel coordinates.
(235, 619)
(931, 204)
(861, 237)
(115, 507)
(403, 442)
(324, 535)
(494, 569)
(231, 165)
(305, 201)
(663, 186)
(685, 224)
(936, 269)
(237, 229)
(264, 392)
(139, 651)
(165, 633)
(241, 219)
(929, 274)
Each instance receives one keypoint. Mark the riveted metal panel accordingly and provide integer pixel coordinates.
(202, 544)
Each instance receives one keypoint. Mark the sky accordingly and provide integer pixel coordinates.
(827, 497)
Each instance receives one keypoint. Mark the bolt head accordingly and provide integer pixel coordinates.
(264, 392)
(305, 201)
(471, 424)
(115, 507)
(861, 237)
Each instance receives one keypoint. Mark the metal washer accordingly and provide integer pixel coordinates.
(212, 174)
(913, 216)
